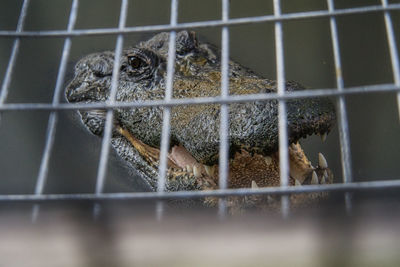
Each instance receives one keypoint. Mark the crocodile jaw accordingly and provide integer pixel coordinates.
(245, 169)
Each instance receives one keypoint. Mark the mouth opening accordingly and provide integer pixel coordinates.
(246, 169)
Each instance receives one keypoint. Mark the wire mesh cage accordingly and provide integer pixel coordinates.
(347, 51)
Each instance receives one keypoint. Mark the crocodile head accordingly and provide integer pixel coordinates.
(193, 157)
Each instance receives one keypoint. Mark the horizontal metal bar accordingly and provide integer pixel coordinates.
(231, 99)
(203, 24)
(349, 187)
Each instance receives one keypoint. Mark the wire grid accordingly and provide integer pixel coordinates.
(224, 99)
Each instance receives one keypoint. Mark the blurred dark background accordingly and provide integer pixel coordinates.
(373, 119)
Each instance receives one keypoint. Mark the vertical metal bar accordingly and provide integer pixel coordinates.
(282, 116)
(51, 126)
(14, 52)
(342, 111)
(224, 117)
(162, 170)
(105, 146)
(393, 50)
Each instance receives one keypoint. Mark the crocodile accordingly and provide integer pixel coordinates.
(194, 129)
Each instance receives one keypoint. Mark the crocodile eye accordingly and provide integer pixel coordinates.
(140, 63)
(135, 62)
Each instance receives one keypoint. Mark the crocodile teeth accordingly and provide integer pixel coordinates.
(322, 161)
(323, 180)
(188, 168)
(314, 178)
(325, 175)
(254, 184)
(297, 182)
(209, 170)
(323, 137)
(196, 171)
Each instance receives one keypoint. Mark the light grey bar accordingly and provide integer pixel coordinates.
(393, 50)
(341, 187)
(105, 145)
(224, 115)
(14, 53)
(53, 117)
(168, 96)
(282, 116)
(342, 111)
(203, 24)
(357, 90)
(166, 126)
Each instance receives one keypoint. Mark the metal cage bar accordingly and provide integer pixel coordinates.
(393, 49)
(282, 116)
(14, 53)
(356, 90)
(205, 24)
(349, 187)
(166, 127)
(106, 142)
(343, 124)
(53, 117)
(224, 114)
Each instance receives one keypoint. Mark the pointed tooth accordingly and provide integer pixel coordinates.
(314, 178)
(323, 180)
(322, 161)
(325, 175)
(188, 168)
(297, 182)
(323, 137)
(196, 171)
(254, 184)
(209, 170)
(268, 160)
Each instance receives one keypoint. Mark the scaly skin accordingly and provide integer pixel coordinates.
(253, 126)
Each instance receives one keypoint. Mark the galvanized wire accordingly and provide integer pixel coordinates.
(53, 117)
(205, 24)
(282, 116)
(14, 53)
(106, 142)
(166, 126)
(393, 49)
(343, 124)
(224, 114)
(356, 90)
(349, 187)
